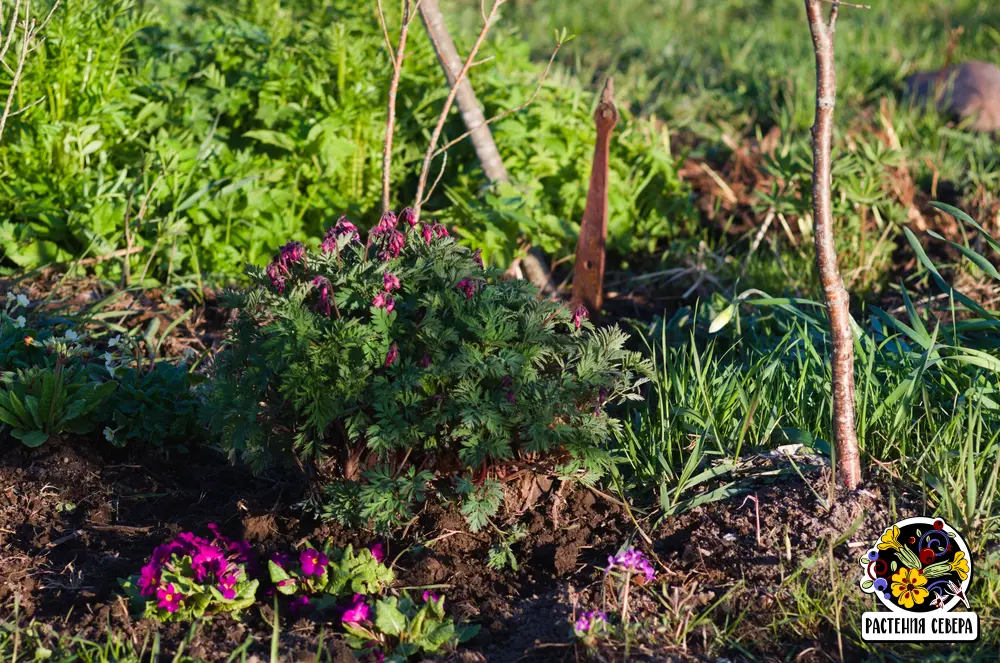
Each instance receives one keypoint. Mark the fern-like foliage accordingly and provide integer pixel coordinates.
(404, 359)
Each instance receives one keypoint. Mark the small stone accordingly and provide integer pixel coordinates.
(968, 90)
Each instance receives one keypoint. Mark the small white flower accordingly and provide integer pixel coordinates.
(109, 434)
(108, 358)
(115, 340)
(22, 300)
(71, 335)
(19, 321)
(111, 369)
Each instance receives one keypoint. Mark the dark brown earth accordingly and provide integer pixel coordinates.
(74, 519)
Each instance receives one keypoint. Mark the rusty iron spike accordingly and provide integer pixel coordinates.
(588, 274)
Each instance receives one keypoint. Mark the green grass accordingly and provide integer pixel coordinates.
(214, 132)
(251, 124)
(730, 71)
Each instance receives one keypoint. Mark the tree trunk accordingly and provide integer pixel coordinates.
(837, 299)
(534, 263)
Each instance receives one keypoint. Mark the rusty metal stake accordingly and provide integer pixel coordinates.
(588, 274)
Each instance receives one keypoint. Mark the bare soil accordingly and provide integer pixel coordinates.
(74, 518)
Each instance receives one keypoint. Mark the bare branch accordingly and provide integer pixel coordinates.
(47, 17)
(500, 116)
(27, 34)
(430, 192)
(846, 4)
(11, 29)
(436, 135)
(385, 31)
(397, 70)
(29, 31)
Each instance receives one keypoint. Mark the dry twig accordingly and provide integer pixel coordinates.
(397, 55)
(443, 117)
(29, 32)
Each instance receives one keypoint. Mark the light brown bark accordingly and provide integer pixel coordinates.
(475, 122)
(835, 294)
(468, 105)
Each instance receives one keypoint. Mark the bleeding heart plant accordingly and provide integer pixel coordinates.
(400, 352)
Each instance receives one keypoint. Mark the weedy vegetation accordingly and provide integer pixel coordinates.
(384, 374)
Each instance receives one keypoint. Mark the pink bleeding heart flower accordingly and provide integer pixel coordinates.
(276, 276)
(390, 282)
(292, 252)
(428, 233)
(393, 246)
(468, 286)
(383, 300)
(169, 598)
(391, 355)
(602, 396)
(580, 314)
(408, 217)
(386, 223)
(477, 257)
(341, 228)
(313, 562)
(357, 611)
(322, 284)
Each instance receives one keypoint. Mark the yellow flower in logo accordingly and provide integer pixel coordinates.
(908, 587)
(890, 539)
(960, 565)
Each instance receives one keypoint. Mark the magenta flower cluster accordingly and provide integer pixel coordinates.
(590, 619)
(314, 564)
(322, 285)
(338, 230)
(355, 611)
(384, 299)
(430, 231)
(281, 266)
(220, 562)
(390, 238)
(630, 561)
(468, 287)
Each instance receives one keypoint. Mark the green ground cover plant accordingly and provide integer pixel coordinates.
(57, 376)
(198, 135)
